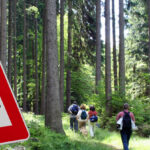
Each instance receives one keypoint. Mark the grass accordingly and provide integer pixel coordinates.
(44, 139)
(111, 140)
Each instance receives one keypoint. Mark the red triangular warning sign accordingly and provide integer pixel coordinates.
(12, 125)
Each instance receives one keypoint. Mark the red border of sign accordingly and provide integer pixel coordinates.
(18, 131)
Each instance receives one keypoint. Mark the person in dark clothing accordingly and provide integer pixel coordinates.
(73, 110)
(126, 130)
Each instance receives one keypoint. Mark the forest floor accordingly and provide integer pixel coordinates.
(42, 138)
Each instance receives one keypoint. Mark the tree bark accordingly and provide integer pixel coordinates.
(36, 111)
(121, 50)
(43, 66)
(15, 52)
(61, 82)
(98, 43)
(68, 80)
(3, 33)
(53, 113)
(10, 41)
(107, 57)
(24, 62)
(114, 46)
(148, 86)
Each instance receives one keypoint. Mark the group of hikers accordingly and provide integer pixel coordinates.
(79, 117)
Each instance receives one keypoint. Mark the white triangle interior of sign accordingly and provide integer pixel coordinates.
(4, 118)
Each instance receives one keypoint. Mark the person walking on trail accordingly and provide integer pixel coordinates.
(92, 120)
(126, 129)
(73, 110)
(82, 118)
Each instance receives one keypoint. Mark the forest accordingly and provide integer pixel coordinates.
(94, 52)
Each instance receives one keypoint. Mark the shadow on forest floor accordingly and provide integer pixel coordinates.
(88, 143)
(109, 146)
(112, 147)
(98, 144)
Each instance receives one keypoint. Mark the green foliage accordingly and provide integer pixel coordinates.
(144, 130)
(141, 110)
(137, 48)
(44, 139)
(32, 10)
(137, 75)
(84, 31)
(65, 37)
(139, 106)
(82, 83)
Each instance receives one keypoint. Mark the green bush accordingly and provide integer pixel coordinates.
(139, 106)
(144, 130)
(43, 138)
(82, 84)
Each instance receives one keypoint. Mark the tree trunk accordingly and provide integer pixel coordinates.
(62, 55)
(121, 50)
(148, 86)
(24, 63)
(68, 80)
(43, 66)
(3, 33)
(114, 46)
(98, 42)
(15, 52)
(10, 41)
(36, 111)
(108, 58)
(52, 113)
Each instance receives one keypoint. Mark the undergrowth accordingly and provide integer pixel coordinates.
(42, 138)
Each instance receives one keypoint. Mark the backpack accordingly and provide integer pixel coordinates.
(126, 121)
(93, 118)
(74, 109)
(83, 115)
